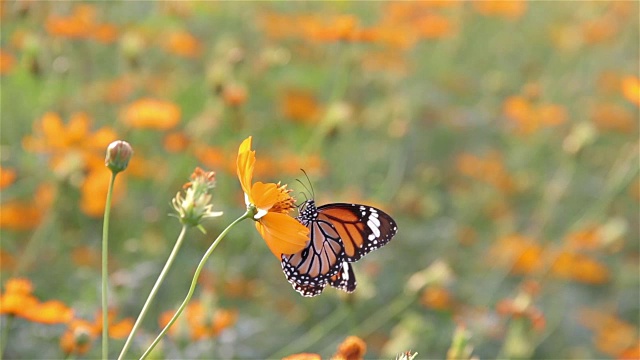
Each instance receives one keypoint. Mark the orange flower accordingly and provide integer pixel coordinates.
(434, 26)
(599, 30)
(303, 356)
(579, 267)
(202, 322)
(7, 261)
(17, 300)
(151, 114)
(105, 33)
(630, 353)
(613, 117)
(589, 238)
(76, 25)
(81, 24)
(86, 256)
(631, 89)
(509, 9)
(72, 147)
(25, 215)
(7, 62)
(352, 348)
(81, 333)
(17, 297)
(78, 337)
(7, 177)
(94, 192)
(120, 329)
(612, 335)
(183, 44)
(234, 95)
(437, 297)
(300, 105)
(213, 157)
(523, 254)
(176, 142)
(272, 203)
(528, 118)
(49, 312)
(489, 169)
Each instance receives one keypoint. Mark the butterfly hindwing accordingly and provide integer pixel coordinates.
(319, 260)
(345, 279)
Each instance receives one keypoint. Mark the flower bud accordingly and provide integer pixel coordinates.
(118, 155)
(196, 204)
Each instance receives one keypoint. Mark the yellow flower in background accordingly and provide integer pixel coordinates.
(282, 233)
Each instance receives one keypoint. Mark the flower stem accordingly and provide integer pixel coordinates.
(194, 281)
(105, 270)
(154, 290)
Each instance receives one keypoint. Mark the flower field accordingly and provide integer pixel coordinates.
(502, 137)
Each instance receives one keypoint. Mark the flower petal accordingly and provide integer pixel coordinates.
(282, 233)
(264, 195)
(245, 165)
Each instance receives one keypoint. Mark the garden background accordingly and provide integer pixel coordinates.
(502, 137)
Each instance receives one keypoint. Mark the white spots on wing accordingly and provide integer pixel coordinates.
(345, 273)
(374, 219)
(375, 228)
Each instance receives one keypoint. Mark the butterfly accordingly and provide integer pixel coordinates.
(340, 234)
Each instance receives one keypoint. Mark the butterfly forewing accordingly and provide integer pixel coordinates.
(362, 228)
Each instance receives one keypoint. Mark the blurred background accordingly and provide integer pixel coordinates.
(502, 137)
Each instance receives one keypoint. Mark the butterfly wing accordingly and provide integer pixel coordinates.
(339, 234)
(308, 290)
(345, 279)
(362, 228)
(318, 262)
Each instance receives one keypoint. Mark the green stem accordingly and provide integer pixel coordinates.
(154, 290)
(105, 270)
(194, 281)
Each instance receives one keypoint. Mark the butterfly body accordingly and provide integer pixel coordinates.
(340, 234)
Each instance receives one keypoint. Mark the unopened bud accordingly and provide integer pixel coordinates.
(118, 155)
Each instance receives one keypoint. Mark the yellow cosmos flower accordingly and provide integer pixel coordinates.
(272, 202)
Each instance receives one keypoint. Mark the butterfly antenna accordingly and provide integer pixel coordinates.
(305, 198)
(313, 194)
(305, 187)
